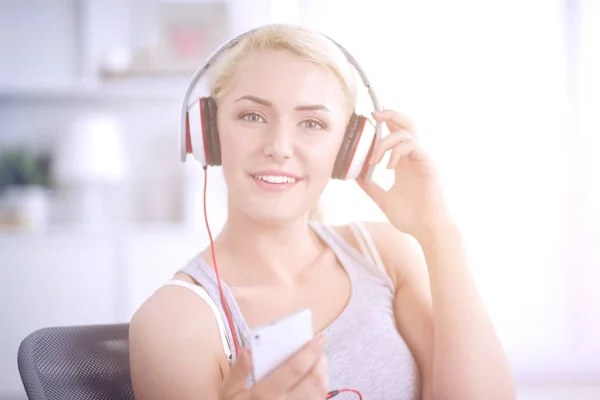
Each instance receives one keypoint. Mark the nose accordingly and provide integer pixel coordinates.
(279, 145)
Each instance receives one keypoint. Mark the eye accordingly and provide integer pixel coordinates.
(314, 125)
(252, 117)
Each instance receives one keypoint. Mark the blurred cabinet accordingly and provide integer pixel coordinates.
(51, 280)
(149, 259)
(73, 278)
(65, 46)
(38, 42)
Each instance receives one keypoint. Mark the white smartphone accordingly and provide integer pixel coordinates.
(274, 343)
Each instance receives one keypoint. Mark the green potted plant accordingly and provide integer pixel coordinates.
(25, 182)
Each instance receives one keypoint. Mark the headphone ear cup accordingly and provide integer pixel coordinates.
(212, 144)
(355, 148)
(202, 137)
(185, 140)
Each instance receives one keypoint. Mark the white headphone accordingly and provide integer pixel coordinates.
(199, 135)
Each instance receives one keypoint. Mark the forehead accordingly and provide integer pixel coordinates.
(287, 79)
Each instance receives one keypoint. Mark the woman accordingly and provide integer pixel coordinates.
(399, 323)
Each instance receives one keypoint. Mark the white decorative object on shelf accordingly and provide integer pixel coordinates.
(90, 163)
(91, 151)
(24, 208)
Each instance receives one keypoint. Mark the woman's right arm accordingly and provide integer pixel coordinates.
(175, 348)
(176, 353)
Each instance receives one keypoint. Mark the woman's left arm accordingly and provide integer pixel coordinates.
(438, 310)
(442, 318)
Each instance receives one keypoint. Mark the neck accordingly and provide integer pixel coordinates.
(269, 252)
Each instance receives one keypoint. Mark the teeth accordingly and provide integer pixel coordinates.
(276, 179)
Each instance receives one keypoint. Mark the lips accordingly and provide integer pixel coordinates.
(275, 180)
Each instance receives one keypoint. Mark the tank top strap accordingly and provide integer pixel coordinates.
(202, 273)
(347, 254)
(203, 294)
(339, 245)
(367, 245)
(367, 261)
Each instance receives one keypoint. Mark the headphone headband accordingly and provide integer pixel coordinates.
(232, 43)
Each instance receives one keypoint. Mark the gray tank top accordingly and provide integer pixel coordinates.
(365, 352)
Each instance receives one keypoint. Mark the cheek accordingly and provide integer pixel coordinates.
(323, 157)
(235, 146)
(234, 149)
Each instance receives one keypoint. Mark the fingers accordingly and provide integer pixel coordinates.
(287, 376)
(401, 150)
(323, 373)
(387, 143)
(235, 382)
(372, 189)
(394, 121)
(314, 385)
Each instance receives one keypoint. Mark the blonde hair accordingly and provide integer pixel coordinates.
(304, 43)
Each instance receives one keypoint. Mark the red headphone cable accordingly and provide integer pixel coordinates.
(222, 295)
(214, 258)
(334, 393)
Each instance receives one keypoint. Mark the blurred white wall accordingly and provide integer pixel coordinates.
(502, 93)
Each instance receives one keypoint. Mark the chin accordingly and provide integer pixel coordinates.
(271, 206)
(274, 215)
(269, 211)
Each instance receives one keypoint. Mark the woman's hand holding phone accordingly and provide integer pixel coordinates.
(304, 376)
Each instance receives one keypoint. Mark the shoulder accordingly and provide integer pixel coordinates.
(175, 347)
(400, 252)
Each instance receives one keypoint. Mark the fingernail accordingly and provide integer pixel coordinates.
(371, 160)
(322, 339)
(246, 352)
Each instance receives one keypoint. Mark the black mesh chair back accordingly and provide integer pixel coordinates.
(76, 363)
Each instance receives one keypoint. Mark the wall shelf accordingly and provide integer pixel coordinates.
(156, 90)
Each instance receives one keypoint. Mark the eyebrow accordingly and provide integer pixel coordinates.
(305, 107)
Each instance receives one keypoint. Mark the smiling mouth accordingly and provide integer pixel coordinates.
(275, 179)
(275, 183)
